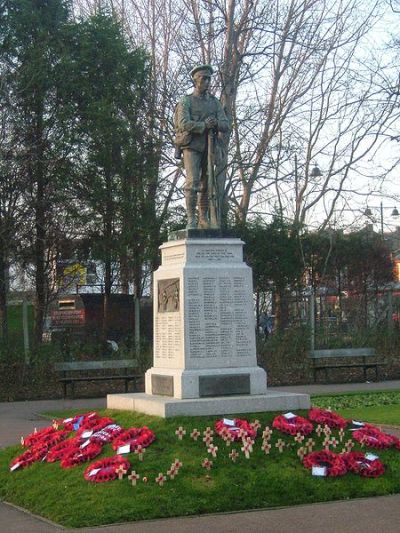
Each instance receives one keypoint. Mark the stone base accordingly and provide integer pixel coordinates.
(201, 383)
(223, 405)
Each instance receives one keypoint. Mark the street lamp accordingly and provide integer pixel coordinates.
(368, 212)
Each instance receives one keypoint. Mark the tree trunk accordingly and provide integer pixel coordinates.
(3, 298)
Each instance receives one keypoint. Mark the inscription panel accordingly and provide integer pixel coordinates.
(167, 337)
(219, 316)
(224, 385)
(162, 385)
(214, 254)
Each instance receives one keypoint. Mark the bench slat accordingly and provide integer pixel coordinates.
(345, 352)
(95, 365)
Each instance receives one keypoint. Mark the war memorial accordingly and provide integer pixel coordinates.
(204, 356)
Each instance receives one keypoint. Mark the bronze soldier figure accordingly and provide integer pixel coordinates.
(199, 118)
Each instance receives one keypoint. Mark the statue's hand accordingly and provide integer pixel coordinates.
(211, 122)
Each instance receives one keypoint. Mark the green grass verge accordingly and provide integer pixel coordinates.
(376, 407)
(261, 481)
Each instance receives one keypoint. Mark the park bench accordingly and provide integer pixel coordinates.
(80, 371)
(365, 358)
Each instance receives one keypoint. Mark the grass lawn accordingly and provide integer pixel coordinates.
(261, 481)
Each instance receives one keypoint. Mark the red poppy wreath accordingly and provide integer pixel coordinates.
(240, 429)
(334, 463)
(359, 463)
(293, 425)
(134, 437)
(105, 469)
(78, 455)
(61, 449)
(326, 418)
(374, 438)
(36, 453)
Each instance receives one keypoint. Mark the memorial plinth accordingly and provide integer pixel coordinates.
(204, 336)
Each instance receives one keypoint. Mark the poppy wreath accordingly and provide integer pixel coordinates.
(107, 434)
(58, 451)
(105, 469)
(334, 463)
(134, 437)
(94, 425)
(328, 418)
(78, 455)
(357, 463)
(84, 420)
(221, 428)
(292, 426)
(30, 456)
(34, 438)
(374, 438)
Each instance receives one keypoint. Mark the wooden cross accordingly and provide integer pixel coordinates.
(207, 439)
(160, 479)
(250, 442)
(327, 430)
(318, 430)
(228, 439)
(195, 434)
(180, 432)
(242, 433)
(55, 424)
(299, 438)
(266, 447)
(207, 464)
(301, 452)
(310, 445)
(280, 444)
(133, 477)
(120, 471)
(266, 434)
(139, 450)
(326, 442)
(22, 441)
(255, 425)
(334, 442)
(234, 455)
(177, 464)
(349, 445)
(341, 434)
(208, 431)
(172, 472)
(213, 450)
(246, 449)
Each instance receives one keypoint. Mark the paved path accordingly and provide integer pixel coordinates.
(353, 516)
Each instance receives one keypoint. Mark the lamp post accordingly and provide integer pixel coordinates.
(368, 213)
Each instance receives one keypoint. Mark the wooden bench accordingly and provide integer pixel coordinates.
(364, 358)
(74, 371)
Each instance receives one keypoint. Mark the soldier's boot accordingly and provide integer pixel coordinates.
(203, 211)
(190, 198)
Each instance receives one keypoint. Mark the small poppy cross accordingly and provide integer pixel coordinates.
(208, 431)
(140, 451)
(266, 447)
(180, 432)
(207, 464)
(213, 450)
(255, 425)
(280, 444)
(266, 434)
(299, 438)
(246, 449)
(160, 479)
(120, 471)
(301, 452)
(234, 455)
(133, 477)
(195, 434)
(318, 430)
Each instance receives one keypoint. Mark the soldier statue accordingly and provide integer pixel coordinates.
(200, 122)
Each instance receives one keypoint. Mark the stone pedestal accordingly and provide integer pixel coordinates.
(204, 336)
(204, 331)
